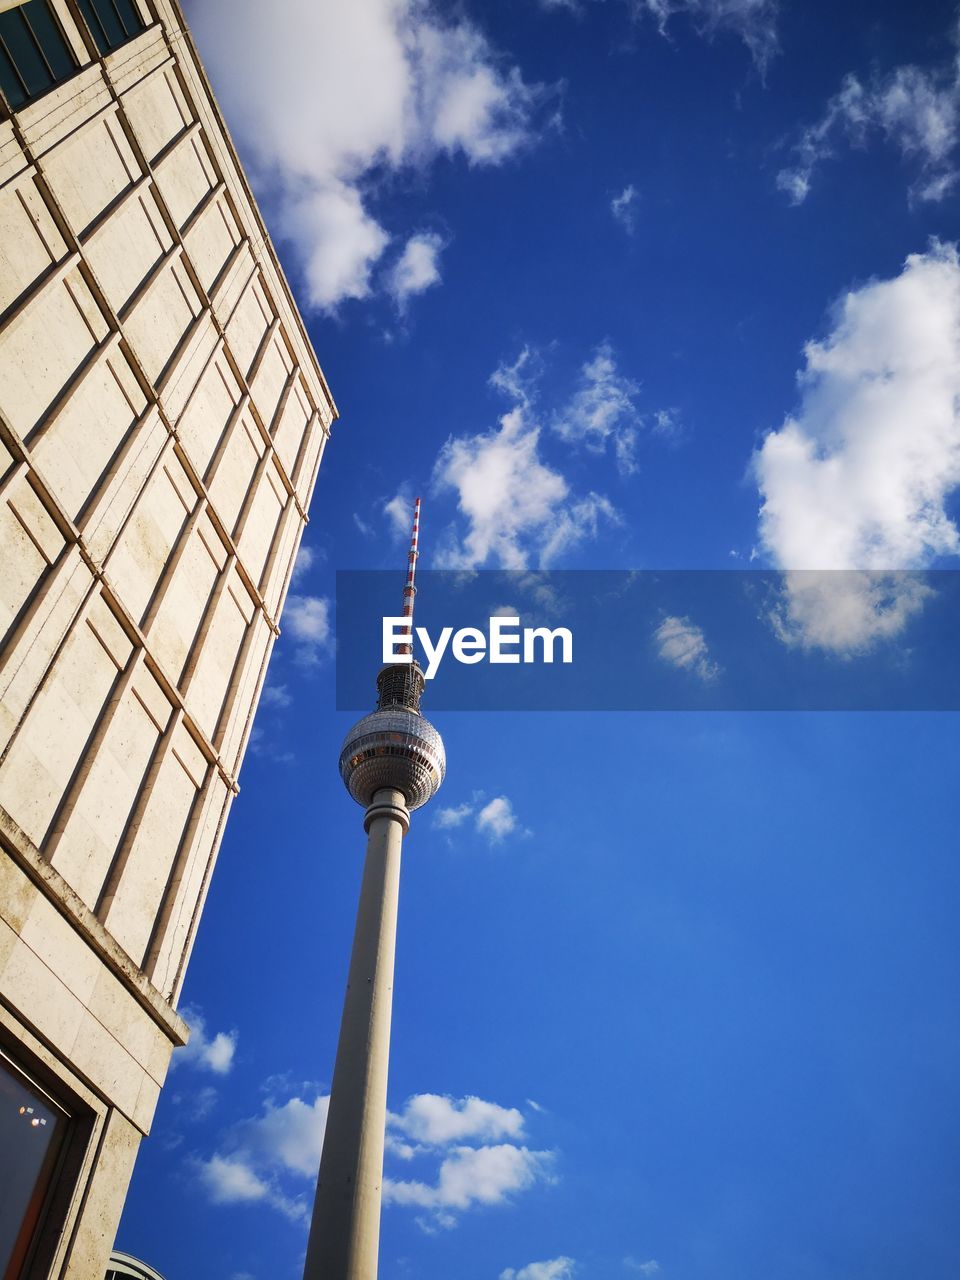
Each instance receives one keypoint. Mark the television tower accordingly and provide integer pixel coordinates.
(392, 761)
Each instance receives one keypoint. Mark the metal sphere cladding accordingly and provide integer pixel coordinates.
(393, 747)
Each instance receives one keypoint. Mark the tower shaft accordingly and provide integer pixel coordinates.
(345, 1230)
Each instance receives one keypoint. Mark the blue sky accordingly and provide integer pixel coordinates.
(649, 285)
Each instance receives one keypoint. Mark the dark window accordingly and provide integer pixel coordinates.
(32, 1130)
(111, 22)
(34, 56)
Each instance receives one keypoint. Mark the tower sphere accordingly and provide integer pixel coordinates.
(393, 747)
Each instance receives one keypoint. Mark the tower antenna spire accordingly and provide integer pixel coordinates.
(409, 588)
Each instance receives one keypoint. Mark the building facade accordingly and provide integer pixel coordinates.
(162, 419)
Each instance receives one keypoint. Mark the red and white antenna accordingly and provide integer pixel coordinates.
(409, 590)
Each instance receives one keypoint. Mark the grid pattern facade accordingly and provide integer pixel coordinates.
(162, 420)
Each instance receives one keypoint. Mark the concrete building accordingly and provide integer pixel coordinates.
(162, 419)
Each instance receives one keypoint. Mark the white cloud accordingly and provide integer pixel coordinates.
(230, 1181)
(649, 1268)
(916, 110)
(555, 1269)
(602, 410)
(754, 21)
(623, 208)
(517, 507)
(210, 1053)
(860, 476)
(469, 1176)
(666, 422)
(274, 1156)
(262, 1153)
(681, 643)
(275, 695)
(485, 1173)
(306, 559)
(416, 269)
(452, 817)
(405, 85)
(497, 819)
(399, 513)
(307, 618)
(518, 381)
(509, 497)
(290, 1136)
(437, 1120)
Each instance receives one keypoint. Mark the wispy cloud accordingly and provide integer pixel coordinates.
(555, 1269)
(307, 557)
(203, 1050)
(496, 819)
(602, 410)
(624, 208)
(517, 507)
(307, 619)
(754, 21)
(860, 477)
(229, 1180)
(275, 695)
(455, 816)
(916, 110)
(683, 644)
(649, 1268)
(399, 514)
(417, 269)
(408, 86)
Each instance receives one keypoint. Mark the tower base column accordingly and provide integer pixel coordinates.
(345, 1231)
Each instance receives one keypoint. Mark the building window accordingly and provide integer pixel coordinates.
(111, 22)
(32, 1132)
(34, 56)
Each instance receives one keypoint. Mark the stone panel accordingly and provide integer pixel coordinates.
(62, 325)
(211, 240)
(185, 176)
(162, 316)
(50, 744)
(29, 240)
(261, 522)
(143, 548)
(212, 677)
(87, 838)
(249, 323)
(208, 412)
(157, 110)
(238, 462)
(173, 629)
(31, 542)
(131, 910)
(79, 445)
(99, 148)
(127, 247)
